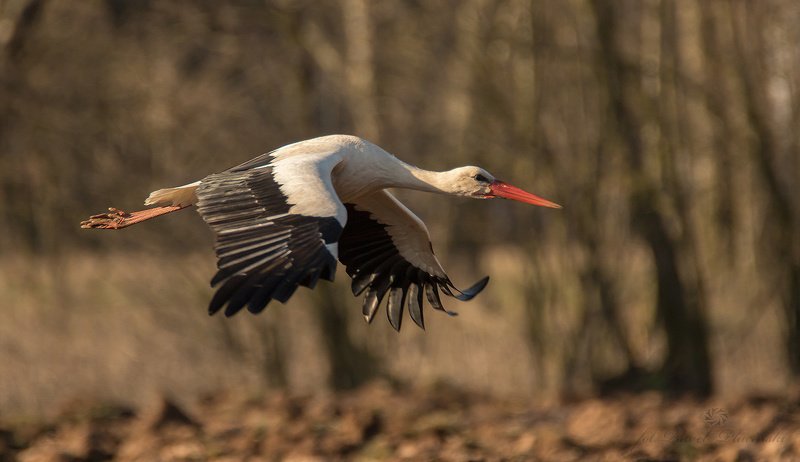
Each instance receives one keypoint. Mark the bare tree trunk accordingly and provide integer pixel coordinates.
(459, 66)
(31, 11)
(22, 18)
(784, 226)
(359, 72)
(674, 140)
(687, 363)
(727, 201)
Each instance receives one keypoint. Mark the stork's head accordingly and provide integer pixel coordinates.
(477, 183)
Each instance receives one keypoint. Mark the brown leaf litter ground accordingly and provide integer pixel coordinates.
(383, 422)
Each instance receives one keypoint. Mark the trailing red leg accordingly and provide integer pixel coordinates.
(117, 219)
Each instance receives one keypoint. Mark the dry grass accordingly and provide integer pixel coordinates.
(124, 326)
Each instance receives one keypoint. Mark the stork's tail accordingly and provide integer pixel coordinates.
(117, 219)
(181, 196)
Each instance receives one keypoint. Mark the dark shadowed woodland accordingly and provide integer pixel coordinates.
(666, 291)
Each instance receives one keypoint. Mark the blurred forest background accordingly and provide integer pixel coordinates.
(669, 130)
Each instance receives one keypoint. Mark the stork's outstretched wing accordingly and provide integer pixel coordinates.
(276, 227)
(386, 248)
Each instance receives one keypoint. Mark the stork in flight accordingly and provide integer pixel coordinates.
(282, 220)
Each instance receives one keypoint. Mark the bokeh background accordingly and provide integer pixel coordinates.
(669, 130)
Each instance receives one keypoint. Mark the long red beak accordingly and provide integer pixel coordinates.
(506, 191)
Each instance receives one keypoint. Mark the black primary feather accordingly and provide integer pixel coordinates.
(374, 263)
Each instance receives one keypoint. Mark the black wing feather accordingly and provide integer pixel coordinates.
(374, 263)
(263, 251)
(415, 305)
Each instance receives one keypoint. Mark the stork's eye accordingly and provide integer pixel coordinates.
(481, 178)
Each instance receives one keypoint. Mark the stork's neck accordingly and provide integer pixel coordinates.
(371, 168)
(427, 180)
(407, 176)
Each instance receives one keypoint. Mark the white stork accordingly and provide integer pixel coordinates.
(284, 218)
